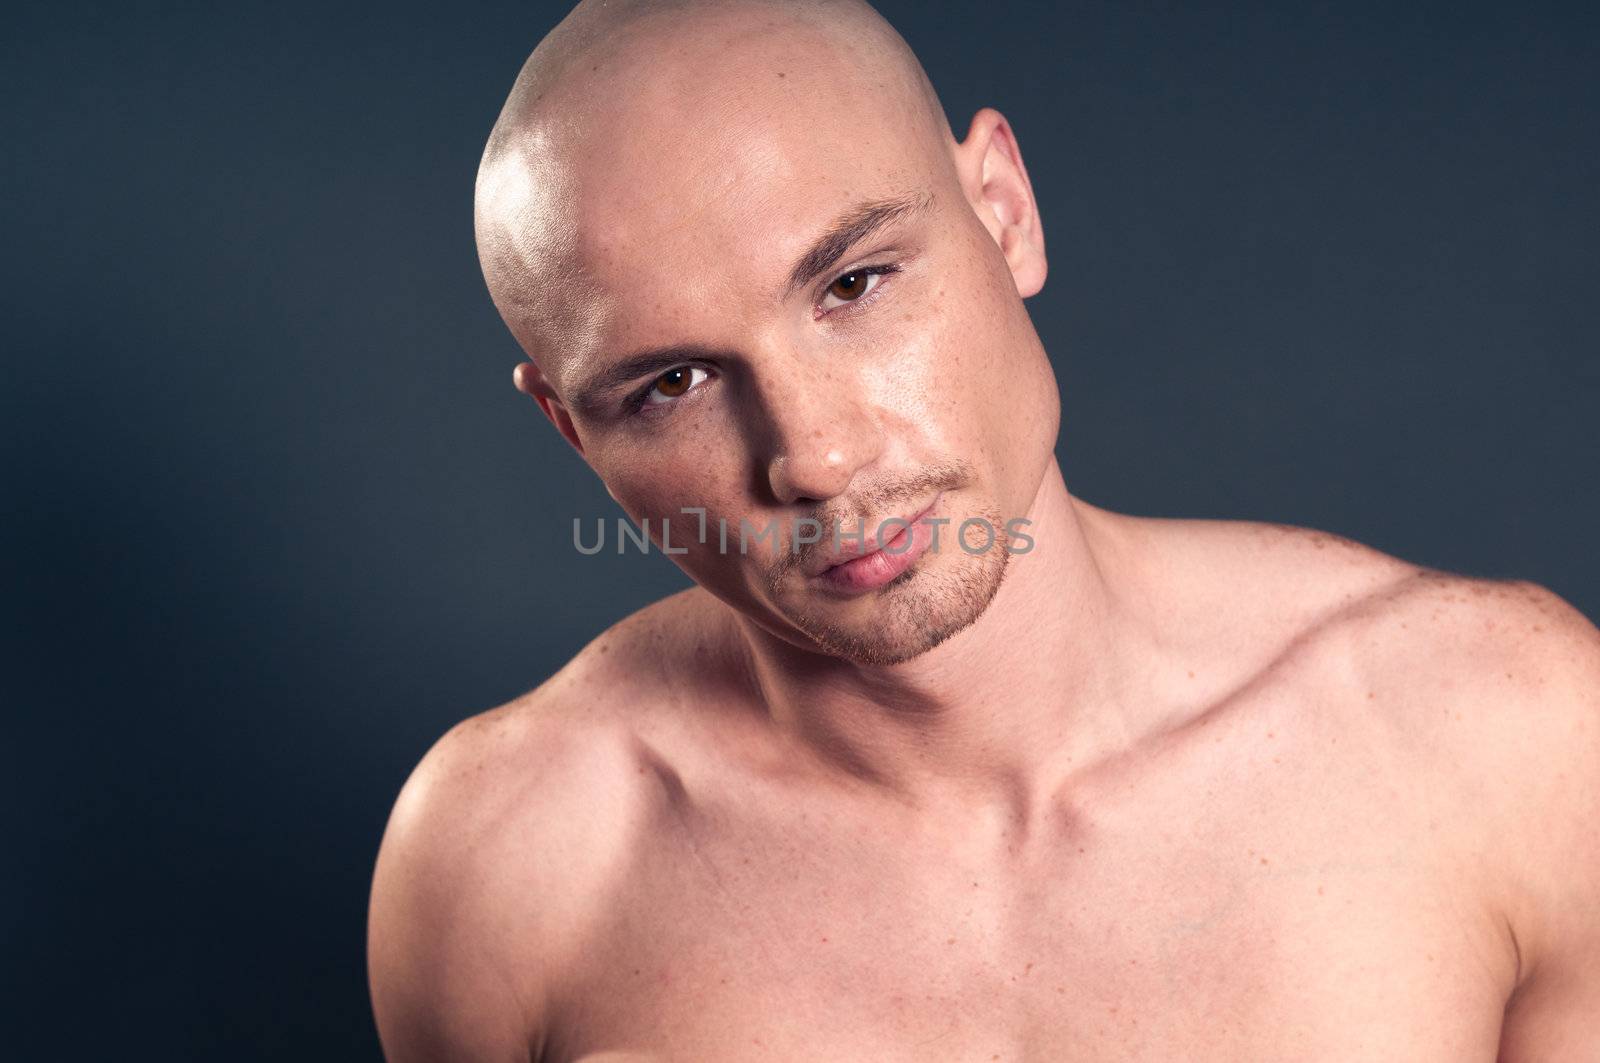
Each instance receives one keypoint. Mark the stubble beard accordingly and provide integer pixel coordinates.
(917, 610)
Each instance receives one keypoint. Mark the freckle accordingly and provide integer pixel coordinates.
(1370, 695)
(1430, 957)
(1061, 989)
(824, 938)
(1538, 627)
(1191, 675)
(1319, 891)
(636, 970)
(1263, 860)
(1508, 675)
(1028, 968)
(1115, 1008)
(974, 885)
(1269, 734)
(1080, 848)
(950, 941)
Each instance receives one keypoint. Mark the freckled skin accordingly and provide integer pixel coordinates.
(1155, 789)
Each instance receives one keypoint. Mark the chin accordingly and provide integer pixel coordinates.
(909, 616)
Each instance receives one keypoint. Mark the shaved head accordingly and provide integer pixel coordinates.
(616, 79)
(758, 278)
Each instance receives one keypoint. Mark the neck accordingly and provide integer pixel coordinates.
(1003, 709)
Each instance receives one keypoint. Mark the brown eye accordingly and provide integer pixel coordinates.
(850, 287)
(673, 382)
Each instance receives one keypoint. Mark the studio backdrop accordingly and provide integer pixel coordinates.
(276, 517)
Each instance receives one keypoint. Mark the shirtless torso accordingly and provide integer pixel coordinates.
(1363, 830)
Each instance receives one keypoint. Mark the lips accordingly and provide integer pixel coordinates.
(851, 549)
(858, 567)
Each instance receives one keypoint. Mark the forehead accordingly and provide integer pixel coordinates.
(686, 199)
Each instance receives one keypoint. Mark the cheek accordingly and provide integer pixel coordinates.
(667, 481)
(660, 477)
(946, 363)
(968, 375)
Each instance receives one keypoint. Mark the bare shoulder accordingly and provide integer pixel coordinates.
(504, 841)
(1488, 686)
(1484, 695)
(1510, 660)
(1515, 669)
(1490, 690)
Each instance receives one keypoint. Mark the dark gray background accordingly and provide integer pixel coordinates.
(276, 517)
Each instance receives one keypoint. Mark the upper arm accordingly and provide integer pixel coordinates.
(495, 860)
(444, 985)
(1550, 742)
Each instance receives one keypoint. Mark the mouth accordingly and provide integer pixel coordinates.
(882, 563)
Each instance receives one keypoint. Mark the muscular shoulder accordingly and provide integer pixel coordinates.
(1484, 690)
(503, 844)
(1507, 665)
(1494, 686)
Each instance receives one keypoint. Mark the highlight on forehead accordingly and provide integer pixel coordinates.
(524, 217)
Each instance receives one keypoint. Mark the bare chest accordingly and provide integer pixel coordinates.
(1262, 914)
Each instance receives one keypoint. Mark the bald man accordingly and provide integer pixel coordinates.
(1083, 786)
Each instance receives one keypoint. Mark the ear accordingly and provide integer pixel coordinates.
(531, 382)
(989, 165)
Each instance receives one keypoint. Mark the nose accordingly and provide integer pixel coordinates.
(821, 432)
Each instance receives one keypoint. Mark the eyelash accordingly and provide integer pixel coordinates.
(638, 402)
(872, 271)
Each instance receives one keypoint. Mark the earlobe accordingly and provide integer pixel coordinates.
(989, 163)
(526, 379)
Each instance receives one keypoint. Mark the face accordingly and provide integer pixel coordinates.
(708, 348)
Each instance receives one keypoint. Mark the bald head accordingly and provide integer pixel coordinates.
(604, 45)
(634, 117)
(757, 277)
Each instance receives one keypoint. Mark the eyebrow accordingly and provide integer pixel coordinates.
(850, 228)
